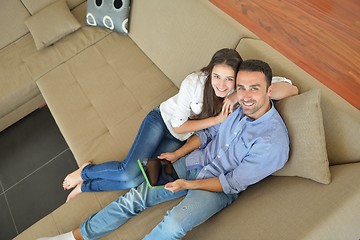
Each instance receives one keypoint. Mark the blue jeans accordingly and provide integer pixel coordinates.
(194, 209)
(153, 138)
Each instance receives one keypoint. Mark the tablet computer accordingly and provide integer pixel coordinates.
(157, 172)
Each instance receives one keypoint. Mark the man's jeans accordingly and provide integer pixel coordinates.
(196, 208)
(153, 138)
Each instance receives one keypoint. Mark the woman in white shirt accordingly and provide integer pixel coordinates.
(205, 99)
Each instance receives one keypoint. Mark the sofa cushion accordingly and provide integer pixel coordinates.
(113, 15)
(51, 24)
(279, 208)
(34, 6)
(303, 118)
(12, 16)
(341, 119)
(89, 99)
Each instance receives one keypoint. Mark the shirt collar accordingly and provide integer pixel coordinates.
(261, 119)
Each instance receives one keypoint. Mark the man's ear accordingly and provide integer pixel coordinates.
(269, 91)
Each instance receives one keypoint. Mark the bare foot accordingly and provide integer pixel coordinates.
(73, 179)
(76, 191)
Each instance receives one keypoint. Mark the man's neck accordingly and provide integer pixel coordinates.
(261, 111)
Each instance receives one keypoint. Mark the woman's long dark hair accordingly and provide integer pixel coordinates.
(212, 104)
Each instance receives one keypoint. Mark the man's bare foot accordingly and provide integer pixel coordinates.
(73, 179)
(76, 191)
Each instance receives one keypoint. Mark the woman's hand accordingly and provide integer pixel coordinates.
(169, 156)
(226, 110)
(232, 100)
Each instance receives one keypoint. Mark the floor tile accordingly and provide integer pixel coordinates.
(41, 192)
(27, 145)
(7, 227)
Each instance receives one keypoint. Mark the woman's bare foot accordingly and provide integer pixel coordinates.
(76, 191)
(73, 179)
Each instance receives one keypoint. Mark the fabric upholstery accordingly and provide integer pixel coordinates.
(21, 64)
(40, 62)
(12, 28)
(18, 89)
(268, 208)
(303, 118)
(51, 24)
(99, 90)
(341, 120)
(156, 35)
(34, 6)
(21, 111)
(291, 208)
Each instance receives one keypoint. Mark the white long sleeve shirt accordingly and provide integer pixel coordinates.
(189, 101)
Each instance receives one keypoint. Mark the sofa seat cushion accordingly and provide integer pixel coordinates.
(291, 208)
(17, 85)
(275, 208)
(101, 95)
(59, 222)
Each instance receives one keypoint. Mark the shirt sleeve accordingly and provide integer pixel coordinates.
(183, 101)
(277, 79)
(262, 160)
(207, 134)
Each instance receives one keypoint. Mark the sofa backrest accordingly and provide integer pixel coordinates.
(13, 14)
(33, 6)
(12, 17)
(341, 119)
(180, 47)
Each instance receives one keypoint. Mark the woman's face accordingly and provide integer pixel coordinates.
(222, 79)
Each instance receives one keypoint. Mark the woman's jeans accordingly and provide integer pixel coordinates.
(194, 209)
(153, 138)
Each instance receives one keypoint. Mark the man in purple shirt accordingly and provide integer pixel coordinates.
(250, 145)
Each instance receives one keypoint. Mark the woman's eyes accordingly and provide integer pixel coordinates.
(217, 76)
(228, 78)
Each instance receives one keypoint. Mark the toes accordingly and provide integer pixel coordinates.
(66, 185)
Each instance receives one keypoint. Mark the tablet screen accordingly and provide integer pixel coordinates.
(157, 172)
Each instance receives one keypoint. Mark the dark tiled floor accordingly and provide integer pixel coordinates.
(34, 159)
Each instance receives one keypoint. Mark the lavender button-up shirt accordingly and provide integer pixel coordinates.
(241, 151)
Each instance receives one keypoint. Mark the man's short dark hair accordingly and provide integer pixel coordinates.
(253, 65)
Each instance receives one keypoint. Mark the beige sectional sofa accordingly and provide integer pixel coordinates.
(99, 85)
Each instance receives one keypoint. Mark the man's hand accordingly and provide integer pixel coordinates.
(170, 156)
(209, 184)
(176, 186)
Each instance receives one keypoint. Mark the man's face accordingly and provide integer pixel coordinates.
(252, 94)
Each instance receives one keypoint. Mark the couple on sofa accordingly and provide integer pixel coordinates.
(223, 159)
